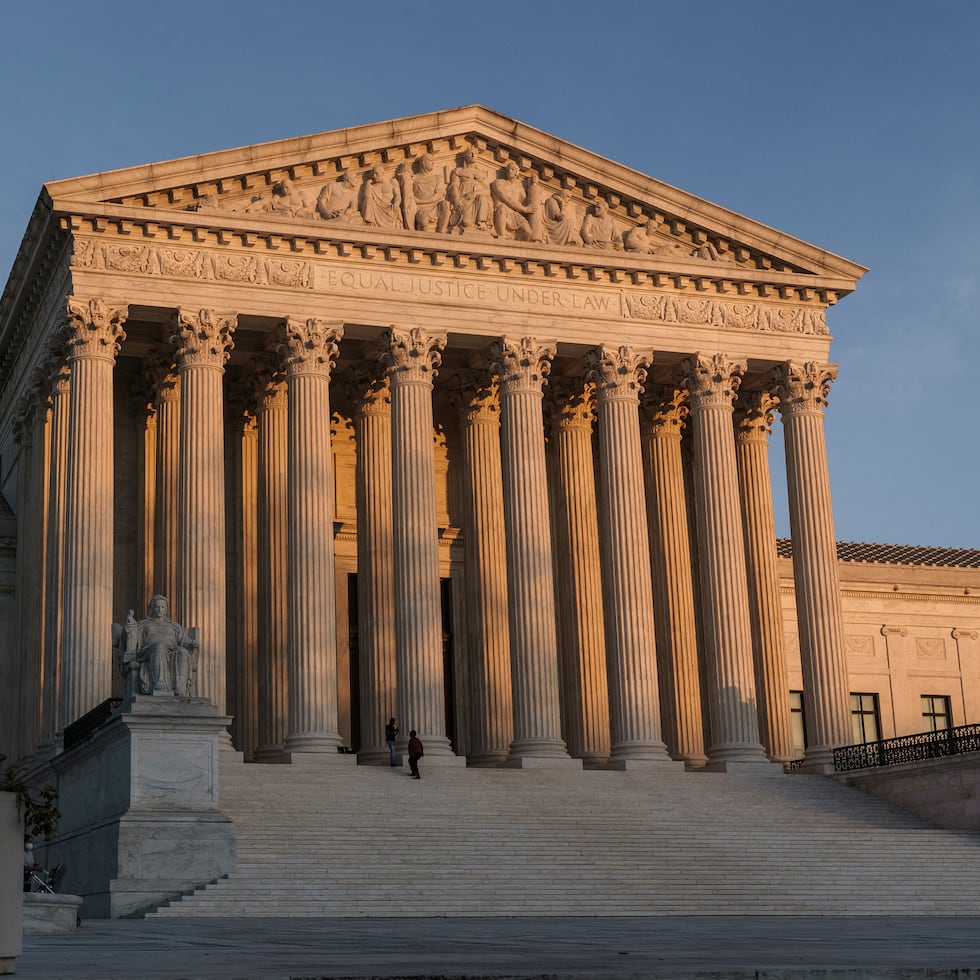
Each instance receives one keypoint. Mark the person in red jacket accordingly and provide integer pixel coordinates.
(415, 752)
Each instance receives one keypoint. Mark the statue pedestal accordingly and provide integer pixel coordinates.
(141, 822)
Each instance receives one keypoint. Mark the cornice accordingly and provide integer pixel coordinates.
(253, 251)
(135, 228)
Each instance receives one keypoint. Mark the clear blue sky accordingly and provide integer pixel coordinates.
(851, 124)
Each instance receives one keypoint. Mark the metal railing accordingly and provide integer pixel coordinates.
(83, 727)
(908, 748)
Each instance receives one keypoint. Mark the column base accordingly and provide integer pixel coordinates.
(332, 760)
(665, 764)
(270, 755)
(486, 760)
(541, 762)
(319, 743)
(594, 761)
(762, 768)
(376, 757)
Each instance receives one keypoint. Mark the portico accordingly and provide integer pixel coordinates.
(503, 482)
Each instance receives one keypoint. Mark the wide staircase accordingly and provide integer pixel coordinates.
(365, 841)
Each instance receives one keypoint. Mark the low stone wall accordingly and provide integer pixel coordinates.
(45, 914)
(945, 791)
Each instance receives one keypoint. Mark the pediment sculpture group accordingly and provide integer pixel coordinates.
(465, 199)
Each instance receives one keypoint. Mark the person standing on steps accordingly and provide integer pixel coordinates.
(391, 733)
(415, 752)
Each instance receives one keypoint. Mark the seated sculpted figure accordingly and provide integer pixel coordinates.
(163, 652)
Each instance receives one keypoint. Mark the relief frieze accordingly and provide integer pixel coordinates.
(669, 308)
(236, 267)
(188, 263)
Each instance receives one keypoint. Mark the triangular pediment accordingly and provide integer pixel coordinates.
(469, 175)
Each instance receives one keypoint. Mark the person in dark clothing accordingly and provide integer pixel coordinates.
(415, 752)
(391, 733)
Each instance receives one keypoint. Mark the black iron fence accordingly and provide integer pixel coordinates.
(81, 728)
(908, 748)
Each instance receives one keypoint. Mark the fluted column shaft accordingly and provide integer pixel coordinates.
(753, 425)
(204, 342)
(713, 382)
(93, 337)
(411, 358)
(802, 392)
(376, 662)
(485, 582)
(578, 582)
(272, 421)
(32, 466)
(309, 348)
(521, 367)
(58, 449)
(631, 656)
(675, 623)
(166, 540)
(242, 470)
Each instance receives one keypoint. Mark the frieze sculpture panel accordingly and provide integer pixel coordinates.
(187, 263)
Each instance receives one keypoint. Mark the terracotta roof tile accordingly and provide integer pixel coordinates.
(895, 554)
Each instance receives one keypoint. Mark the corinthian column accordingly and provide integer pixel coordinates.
(94, 332)
(204, 342)
(673, 579)
(309, 348)
(713, 382)
(802, 392)
(58, 443)
(485, 554)
(521, 367)
(578, 582)
(271, 423)
(631, 654)
(753, 423)
(411, 358)
(376, 663)
(162, 375)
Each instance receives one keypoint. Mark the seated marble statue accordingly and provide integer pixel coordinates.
(159, 654)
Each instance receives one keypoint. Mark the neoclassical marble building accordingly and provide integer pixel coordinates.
(441, 418)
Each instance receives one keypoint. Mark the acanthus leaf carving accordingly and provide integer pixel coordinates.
(309, 346)
(412, 355)
(754, 416)
(94, 328)
(802, 387)
(618, 372)
(521, 365)
(664, 410)
(713, 380)
(203, 337)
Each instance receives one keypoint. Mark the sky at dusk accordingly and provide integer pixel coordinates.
(852, 125)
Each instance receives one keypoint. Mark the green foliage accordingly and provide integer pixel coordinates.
(37, 807)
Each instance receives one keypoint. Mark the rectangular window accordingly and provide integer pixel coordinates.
(797, 723)
(936, 712)
(865, 720)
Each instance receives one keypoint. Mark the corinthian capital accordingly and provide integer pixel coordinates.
(570, 405)
(203, 338)
(411, 355)
(713, 381)
(309, 347)
(266, 380)
(161, 375)
(362, 389)
(474, 395)
(618, 372)
(664, 410)
(802, 387)
(754, 415)
(521, 365)
(94, 329)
